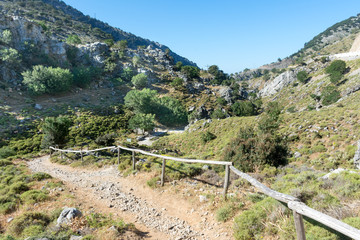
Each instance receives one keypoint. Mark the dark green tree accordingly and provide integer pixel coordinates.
(55, 131)
(302, 76)
(145, 122)
(243, 108)
(191, 72)
(139, 81)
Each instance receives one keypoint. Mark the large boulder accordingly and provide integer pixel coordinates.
(278, 83)
(226, 93)
(67, 215)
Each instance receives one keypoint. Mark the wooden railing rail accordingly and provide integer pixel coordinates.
(299, 209)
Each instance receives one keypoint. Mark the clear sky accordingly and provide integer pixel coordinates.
(233, 34)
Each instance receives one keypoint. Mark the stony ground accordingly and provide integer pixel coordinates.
(158, 214)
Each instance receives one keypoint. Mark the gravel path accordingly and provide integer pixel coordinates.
(108, 187)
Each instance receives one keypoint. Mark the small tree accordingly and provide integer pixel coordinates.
(336, 70)
(302, 76)
(55, 131)
(191, 72)
(145, 122)
(127, 74)
(136, 61)
(329, 95)
(141, 101)
(140, 80)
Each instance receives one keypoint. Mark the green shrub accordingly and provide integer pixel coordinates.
(26, 220)
(221, 101)
(243, 108)
(152, 182)
(40, 176)
(302, 76)
(55, 130)
(177, 83)
(139, 81)
(106, 140)
(249, 224)
(336, 70)
(145, 122)
(330, 95)
(6, 152)
(225, 213)
(218, 114)
(73, 39)
(42, 80)
(10, 56)
(33, 196)
(207, 137)
(127, 74)
(250, 150)
(84, 75)
(190, 72)
(18, 187)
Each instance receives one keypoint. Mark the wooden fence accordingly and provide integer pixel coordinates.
(299, 209)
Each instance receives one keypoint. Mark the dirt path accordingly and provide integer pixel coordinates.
(159, 215)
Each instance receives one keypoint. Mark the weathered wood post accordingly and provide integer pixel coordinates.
(81, 153)
(299, 226)
(163, 172)
(133, 160)
(227, 180)
(118, 155)
(50, 151)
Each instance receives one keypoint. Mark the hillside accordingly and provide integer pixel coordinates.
(71, 81)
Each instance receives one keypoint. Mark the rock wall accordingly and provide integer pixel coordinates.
(278, 83)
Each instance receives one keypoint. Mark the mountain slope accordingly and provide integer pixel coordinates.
(66, 19)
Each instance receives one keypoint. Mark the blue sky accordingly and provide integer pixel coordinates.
(233, 34)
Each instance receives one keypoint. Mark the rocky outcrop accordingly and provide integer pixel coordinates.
(67, 215)
(226, 93)
(95, 52)
(278, 83)
(357, 156)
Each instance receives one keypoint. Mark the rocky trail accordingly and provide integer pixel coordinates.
(156, 214)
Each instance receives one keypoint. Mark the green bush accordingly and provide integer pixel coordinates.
(225, 213)
(329, 95)
(190, 72)
(11, 56)
(33, 196)
(6, 152)
(336, 70)
(243, 108)
(26, 220)
(40, 176)
(302, 76)
(218, 114)
(177, 83)
(84, 75)
(143, 121)
(127, 74)
(249, 224)
(55, 130)
(207, 137)
(139, 81)
(73, 39)
(42, 80)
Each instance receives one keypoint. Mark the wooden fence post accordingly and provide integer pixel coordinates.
(118, 155)
(50, 152)
(227, 180)
(81, 153)
(163, 172)
(299, 226)
(133, 160)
